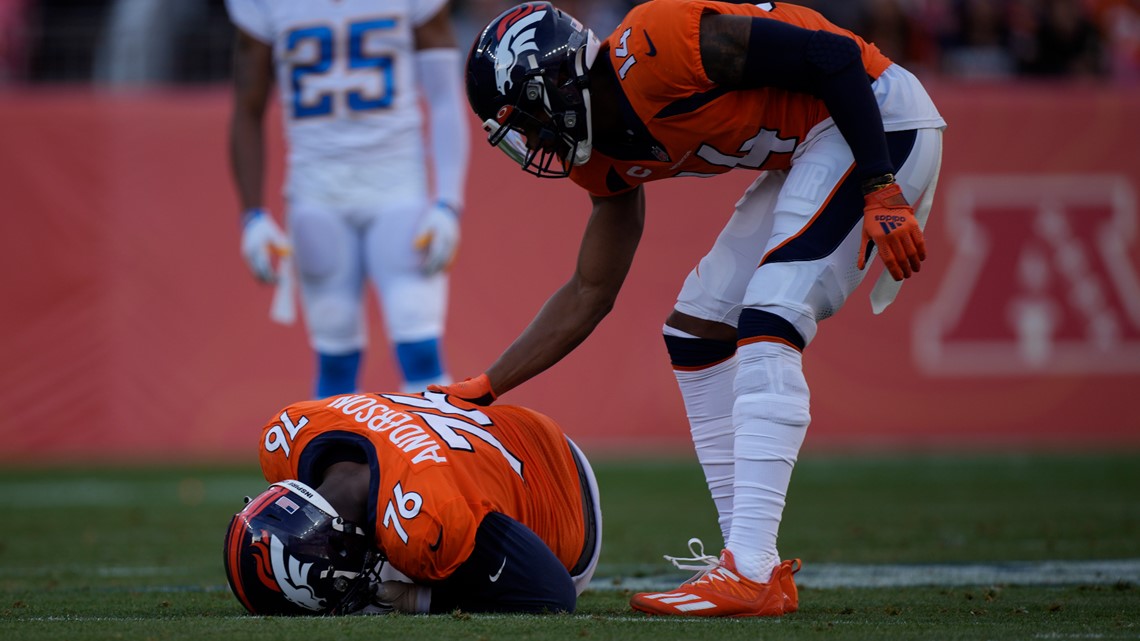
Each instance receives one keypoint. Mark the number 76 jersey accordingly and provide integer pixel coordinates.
(344, 70)
(437, 470)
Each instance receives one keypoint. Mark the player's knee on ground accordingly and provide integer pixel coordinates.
(510, 570)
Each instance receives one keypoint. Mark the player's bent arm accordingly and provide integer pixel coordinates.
(253, 79)
(575, 309)
(740, 52)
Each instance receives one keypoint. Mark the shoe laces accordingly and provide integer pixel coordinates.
(699, 562)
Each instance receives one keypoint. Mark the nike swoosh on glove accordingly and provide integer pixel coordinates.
(888, 221)
(474, 390)
(438, 237)
(261, 238)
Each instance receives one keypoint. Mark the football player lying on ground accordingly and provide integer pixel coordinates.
(415, 503)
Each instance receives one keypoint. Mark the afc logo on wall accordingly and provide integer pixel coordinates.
(1041, 281)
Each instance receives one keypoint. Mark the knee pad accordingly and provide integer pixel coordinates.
(335, 324)
(770, 386)
(414, 307)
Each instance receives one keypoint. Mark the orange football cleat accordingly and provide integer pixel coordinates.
(720, 591)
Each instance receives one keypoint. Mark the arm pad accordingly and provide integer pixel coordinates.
(828, 66)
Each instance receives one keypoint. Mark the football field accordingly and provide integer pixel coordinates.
(915, 547)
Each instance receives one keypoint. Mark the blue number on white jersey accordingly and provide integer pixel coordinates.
(359, 59)
(322, 37)
(324, 40)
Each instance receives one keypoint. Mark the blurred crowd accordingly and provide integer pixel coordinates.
(188, 41)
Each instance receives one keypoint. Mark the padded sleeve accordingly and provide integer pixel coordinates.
(828, 66)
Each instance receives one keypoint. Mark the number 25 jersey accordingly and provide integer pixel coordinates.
(437, 470)
(345, 73)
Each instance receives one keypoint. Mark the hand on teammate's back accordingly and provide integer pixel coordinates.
(476, 390)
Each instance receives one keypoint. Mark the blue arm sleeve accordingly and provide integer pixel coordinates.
(829, 66)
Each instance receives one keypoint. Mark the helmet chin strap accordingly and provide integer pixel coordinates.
(582, 63)
(585, 147)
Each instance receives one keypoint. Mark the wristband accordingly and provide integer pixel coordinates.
(250, 214)
(877, 183)
(449, 207)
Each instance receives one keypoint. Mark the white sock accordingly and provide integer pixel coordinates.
(770, 417)
(708, 398)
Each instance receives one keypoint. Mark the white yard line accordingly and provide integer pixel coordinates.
(813, 575)
(844, 575)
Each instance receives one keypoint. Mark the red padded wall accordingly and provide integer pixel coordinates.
(131, 329)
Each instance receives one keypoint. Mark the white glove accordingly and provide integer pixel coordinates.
(438, 237)
(260, 239)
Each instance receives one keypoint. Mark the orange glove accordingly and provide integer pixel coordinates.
(889, 221)
(475, 390)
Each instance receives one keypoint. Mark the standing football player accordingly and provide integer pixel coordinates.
(351, 74)
(415, 503)
(844, 141)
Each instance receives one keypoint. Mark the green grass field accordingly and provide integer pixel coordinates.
(136, 554)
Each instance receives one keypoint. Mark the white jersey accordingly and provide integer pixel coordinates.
(349, 97)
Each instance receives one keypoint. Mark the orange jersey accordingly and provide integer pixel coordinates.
(437, 470)
(703, 129)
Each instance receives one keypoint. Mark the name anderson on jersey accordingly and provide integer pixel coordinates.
(378, 417)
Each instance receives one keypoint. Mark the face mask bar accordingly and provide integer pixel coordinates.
(361, 588)
(539, 162)
(510, 130)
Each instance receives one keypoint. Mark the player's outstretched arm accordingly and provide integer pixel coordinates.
(571, 313)
(576, 308)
